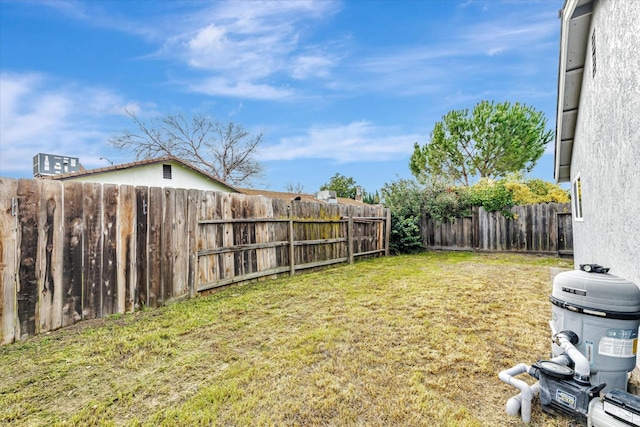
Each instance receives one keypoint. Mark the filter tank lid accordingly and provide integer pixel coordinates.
(596, 291)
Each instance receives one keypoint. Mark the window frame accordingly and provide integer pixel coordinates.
(166, 172)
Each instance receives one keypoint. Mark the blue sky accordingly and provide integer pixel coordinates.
(335, 86)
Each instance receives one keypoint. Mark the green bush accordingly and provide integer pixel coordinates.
(405, 199)
(493, 196)
(405, 234)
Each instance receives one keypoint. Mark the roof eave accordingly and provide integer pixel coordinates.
(575, 24)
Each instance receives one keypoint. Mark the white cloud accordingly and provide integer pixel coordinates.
(238, 89)
(355, 142)
(311, 66)
(253, 43)
(43, 115)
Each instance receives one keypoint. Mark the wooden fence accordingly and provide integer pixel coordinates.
(71, 251)
(541, 228)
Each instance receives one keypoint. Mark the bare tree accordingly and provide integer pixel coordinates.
(226, 150)
(296, 188)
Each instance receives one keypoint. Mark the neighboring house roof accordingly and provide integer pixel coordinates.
(574, 37)
(303, 197)
(133, 165)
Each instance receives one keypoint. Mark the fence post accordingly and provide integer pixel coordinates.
(387, 232)
(292, 261)
(193, 207)
(350, 239)
(475, 226)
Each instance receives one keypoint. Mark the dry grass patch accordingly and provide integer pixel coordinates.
(409, 340)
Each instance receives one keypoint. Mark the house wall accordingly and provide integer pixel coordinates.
(606, 152)
(151, 176)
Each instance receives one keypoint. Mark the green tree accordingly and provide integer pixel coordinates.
(343, 186)
(370, 198)
(490, 142)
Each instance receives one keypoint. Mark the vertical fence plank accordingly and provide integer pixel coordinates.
(211, 265)
(50, 255)
(227, 268)
(154, 246)
(8, 259)
(194, 201)
(73, 252)
(27, 286)
(181, 237)
(167, 243)
(92, 207)
(126, 249)
(109, 278)
(141, 297)
(269, 234)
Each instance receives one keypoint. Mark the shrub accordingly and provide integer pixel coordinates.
(405, 234)
(405, 199)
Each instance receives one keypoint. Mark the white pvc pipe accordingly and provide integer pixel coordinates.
(582, 366)
(514, 404)
(526, 394)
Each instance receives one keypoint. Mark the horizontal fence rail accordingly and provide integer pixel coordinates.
(72, 251)
(538, 228)
(284, 255)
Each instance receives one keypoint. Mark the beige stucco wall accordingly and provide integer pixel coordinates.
(151, 176)
(606, 152)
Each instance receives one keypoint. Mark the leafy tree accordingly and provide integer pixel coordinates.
(492, 141)
(226, 150)
(343, 186)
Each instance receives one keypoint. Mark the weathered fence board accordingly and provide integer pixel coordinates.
(73, 244)
(27, 286)
(142, 228)
(8, 259)
(50, 256)
(126, 229)
(109, 276)
(541, 228)
(71, 251)
(168, 243)
(154, 246)
(180, 235)
(92, 208)
(564, 232)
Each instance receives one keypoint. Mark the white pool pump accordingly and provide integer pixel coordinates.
(594, 326)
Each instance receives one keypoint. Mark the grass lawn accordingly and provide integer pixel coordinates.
(398, 341)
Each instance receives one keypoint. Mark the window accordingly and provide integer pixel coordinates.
(576, 196)
(166, 171)
(593, 53)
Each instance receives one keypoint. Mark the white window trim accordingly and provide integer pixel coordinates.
(576, 199)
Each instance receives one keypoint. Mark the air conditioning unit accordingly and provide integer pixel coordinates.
(52, 164)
